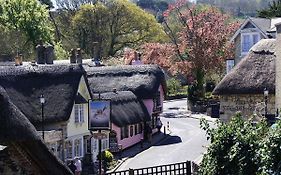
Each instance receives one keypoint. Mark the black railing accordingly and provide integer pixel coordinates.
(183, 168)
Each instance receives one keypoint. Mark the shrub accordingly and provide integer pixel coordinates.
(173, 86)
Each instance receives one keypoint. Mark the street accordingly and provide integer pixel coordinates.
(185, 142)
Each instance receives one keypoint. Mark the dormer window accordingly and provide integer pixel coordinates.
(79, 113)
(248, 40)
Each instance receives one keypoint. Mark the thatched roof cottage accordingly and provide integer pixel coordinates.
(146, 82)
(243, 88)
(23, 151)
(66, 94)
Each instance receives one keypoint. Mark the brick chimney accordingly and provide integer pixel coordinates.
(278, 68)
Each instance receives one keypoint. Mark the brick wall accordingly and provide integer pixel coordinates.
(246, 104)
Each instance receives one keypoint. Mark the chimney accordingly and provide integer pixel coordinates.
(72, 56)
(40, 52)
(278, 68)
(79, 56)
(18, 60)
(49, 54)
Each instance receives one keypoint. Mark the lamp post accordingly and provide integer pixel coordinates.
(42, 101)
(265, 93)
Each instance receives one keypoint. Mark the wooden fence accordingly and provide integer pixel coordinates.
(183, 168)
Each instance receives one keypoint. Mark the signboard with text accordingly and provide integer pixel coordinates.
(99, 114)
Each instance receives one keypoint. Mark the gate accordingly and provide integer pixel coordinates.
(183, 168)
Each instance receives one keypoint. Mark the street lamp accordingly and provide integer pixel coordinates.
(265, 93)
(42, 101)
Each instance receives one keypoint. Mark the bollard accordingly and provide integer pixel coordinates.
(164, 130)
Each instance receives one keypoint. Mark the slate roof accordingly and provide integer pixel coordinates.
(142, 80)
(126, 108)
(253, 73)
(58, 84)
(16, 129)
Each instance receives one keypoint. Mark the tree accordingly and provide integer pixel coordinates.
(114, 25)
(201, 45)
(274, 10)
(28, 18)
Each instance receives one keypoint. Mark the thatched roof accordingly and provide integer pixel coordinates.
(17, 130)
(126, 108)
(253, 73)
(142, 80)
(58, 84)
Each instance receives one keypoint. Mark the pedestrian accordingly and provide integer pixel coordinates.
(158, 124)
(72, 166)
(78, 165)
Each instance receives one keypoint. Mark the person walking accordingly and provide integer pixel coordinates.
(78, 165)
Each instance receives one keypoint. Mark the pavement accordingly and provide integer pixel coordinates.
(156, 139)
(138, 148)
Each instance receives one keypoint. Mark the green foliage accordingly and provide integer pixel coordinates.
(60, 53)
(241, 147)
(173, 86)
(107, 156)
(27, 17)
(113, 26)
(274, 10)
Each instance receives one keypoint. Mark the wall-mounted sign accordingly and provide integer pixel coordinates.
(99, 114)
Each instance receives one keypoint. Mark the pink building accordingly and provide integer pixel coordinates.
(146, 82)
(128, 115)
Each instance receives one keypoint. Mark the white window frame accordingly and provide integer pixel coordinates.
(79, 113)
(251, 35)
(78, 147)
(229, 65)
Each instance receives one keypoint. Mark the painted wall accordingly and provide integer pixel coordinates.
(73, 128)
(246, 104)
(126, 142)
(149, 102)
(278, 69)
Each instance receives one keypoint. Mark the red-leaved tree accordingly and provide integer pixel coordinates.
(201, 46)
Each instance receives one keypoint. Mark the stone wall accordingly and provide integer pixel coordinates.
(246, 104)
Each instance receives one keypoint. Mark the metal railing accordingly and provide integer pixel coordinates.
(183, 168)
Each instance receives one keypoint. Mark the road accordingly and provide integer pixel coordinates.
(185, 142)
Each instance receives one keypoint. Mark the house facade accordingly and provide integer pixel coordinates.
(251, 31)
(278, 68)
(243, 88)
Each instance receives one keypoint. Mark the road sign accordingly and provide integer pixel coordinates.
(100, 135)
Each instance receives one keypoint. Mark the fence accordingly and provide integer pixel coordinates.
(183, 168)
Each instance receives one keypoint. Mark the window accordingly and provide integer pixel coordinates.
(79, 113)
(131, 130)
(124, 132)
(248, 40)
(78, 148)
(229, 65)
(136, 129)
(68, 146)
